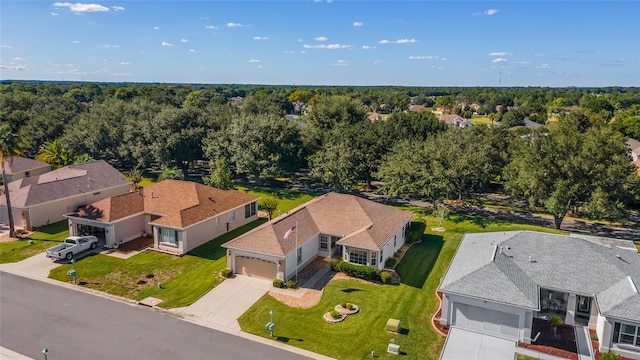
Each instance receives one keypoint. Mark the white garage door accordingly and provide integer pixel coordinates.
(255, 267)
(486, 320)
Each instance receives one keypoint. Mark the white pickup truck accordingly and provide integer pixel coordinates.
(72, 246)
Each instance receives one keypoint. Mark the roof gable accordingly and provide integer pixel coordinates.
(18, 164)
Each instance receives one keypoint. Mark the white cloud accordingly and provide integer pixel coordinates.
(357, 23)
(75, 42)
(210, 27)
(108, 46)
(522, 62)
(330, 46)
(55, 14)
(124, 63)
(254, 61)
(437, 67)
(164, 43)
(427, 57)
(289, 52)
(321, 38)
(543, 67)
(192, 50)
(499, 60)
(500, 53)
(400, 41)
(14, 67)
(490, 12)
(260, 38)
(367, 47)
(377, 61)
(18, 58)
(6, 46)
(80, 8)
(204, 18)
(156, 28)
(341, 63)
(234, 25)
(117, 8)
(184, 40)
(444, 59)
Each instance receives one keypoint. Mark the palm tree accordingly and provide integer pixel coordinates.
(9, 147)
(55, 154)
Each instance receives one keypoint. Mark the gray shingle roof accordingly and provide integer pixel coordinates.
(531, 260)
(19, 164)
(68, 181)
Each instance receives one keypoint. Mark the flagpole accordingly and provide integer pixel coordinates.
(296, 252)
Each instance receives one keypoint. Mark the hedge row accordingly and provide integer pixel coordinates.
(357, 271)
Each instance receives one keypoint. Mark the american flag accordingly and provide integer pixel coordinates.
(289, 232)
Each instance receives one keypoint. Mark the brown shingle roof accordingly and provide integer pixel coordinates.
(65, 182)
(21, 164)
(360, 222)
(634, 145)
(179, 203)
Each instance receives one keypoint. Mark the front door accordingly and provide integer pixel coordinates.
(584, 304)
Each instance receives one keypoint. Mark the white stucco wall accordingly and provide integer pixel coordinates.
(33, 172)
(525, 316)
(309, 253)
(605, 329)
(18, 220)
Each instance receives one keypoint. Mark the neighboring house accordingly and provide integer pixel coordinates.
(500, 283)
(42, 199)
(19, 167)
(634, 146)
(455, 121)
(417, 108)
(374, 116)
(180, 215)
(360, 231)
(529, 124)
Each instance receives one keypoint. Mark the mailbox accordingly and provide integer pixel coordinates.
(269, 326)
(71, 273)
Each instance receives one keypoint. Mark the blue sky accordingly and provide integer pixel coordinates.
(409, 43)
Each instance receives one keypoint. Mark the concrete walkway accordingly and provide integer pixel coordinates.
(222, 306)
(6, 354)
(583, 343)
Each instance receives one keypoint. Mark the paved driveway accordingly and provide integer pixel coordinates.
(223, 305)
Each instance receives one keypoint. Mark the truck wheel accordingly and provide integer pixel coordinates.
(93, 245)
(69, 256)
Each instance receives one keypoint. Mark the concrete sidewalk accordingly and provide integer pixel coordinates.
(6, 354)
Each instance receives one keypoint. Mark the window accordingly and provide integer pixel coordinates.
(168, 236)
(394, 241)
(374, 257)
(381, 250)
(217, 221)
(299, 255)
(324, 242)
(358, 257)
(232, 216)
(27, 174)
(627, 334)
(249, 210)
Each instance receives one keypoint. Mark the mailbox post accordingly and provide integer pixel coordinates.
(270, 325)
(72, 272)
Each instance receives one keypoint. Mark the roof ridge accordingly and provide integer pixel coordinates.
(518, 277)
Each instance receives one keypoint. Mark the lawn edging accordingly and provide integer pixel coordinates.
(435, 318)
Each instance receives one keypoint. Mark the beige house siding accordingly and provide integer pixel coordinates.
(129, 229)
(18, 220)
(309, 253)
(232, 262)
(47, 213)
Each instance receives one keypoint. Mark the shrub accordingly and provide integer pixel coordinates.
(390, 262)
(335, 314)
(357, 271)
(226, 273)
(344, 305)
(336, 265)
(350, 306)
(386, 277)
(609, 356)
(594, 337)
(291, 283)
(277, 283)
(21, 232)
(416, 230)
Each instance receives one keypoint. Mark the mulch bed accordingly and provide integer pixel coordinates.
(562, 345)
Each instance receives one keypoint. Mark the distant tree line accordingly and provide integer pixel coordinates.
(579, 160)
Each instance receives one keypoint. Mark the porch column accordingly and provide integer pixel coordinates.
(571, 310)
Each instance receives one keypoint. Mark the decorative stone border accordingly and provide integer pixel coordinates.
(344, 311)
(328, 318)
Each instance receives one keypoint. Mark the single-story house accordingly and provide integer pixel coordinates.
(19, 167)
(417, 108)
(529, 124)
(500, 283)
(634, 146)
(180, 215)
(360, 231)
(42, 199)
(455, 120)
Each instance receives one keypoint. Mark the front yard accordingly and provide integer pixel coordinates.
(35, 243)
(413, 302)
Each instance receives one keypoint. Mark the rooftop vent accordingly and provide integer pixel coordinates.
(531, 259)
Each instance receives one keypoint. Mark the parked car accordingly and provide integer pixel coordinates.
(71, 246)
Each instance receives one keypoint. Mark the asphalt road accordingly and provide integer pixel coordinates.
(76, 325)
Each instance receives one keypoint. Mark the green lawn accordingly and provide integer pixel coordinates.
(287, 199)
(37, 242)
(480, 120)
(184, 279)
(412, 301)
